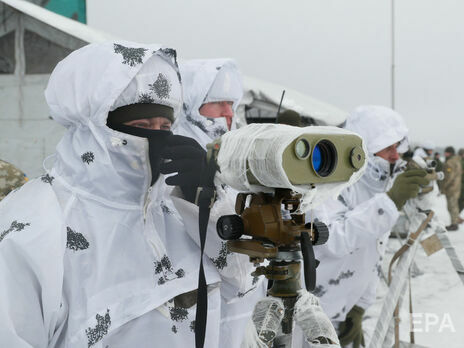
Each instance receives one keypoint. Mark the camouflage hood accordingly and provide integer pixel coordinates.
(82, 89)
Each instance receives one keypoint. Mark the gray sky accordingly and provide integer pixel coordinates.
(336, 50)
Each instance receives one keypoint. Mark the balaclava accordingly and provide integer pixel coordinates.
(155, 91)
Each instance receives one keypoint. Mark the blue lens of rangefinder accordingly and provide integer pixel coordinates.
(317, 158)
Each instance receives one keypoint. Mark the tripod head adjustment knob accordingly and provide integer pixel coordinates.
(230, 227)
(321, 232)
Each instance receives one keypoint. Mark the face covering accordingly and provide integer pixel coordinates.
(213, 127)
(156, 144)
(378, 168)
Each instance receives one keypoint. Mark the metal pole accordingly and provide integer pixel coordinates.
(393, 54)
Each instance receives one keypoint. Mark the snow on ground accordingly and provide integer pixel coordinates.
(438, 294)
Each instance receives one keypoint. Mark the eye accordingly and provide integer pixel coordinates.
(141, 125)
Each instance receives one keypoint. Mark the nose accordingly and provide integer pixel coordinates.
(394, 156)
(228, 113)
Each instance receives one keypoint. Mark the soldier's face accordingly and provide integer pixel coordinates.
(218, 109)
(390, 153)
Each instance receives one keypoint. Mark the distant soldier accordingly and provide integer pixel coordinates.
(10, 178)
(451, 185)
(461, 198)
(439, 167)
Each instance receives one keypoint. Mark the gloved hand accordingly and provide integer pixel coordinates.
(351, 329)
(188, 160)
(316, 326)
(267, 316)
(407, 185)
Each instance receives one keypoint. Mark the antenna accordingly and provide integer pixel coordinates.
(281, 100)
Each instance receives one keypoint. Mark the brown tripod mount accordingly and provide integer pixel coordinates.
(281, 241)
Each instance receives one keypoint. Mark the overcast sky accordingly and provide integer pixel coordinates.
(336, 50)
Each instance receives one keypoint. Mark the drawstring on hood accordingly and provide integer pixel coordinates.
(156, 144)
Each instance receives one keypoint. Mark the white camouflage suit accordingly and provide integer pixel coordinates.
(90, 256)
(360, 220)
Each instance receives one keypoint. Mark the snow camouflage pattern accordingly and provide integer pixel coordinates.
(88, 157)
(75, 240)
(161, 87)
(14, 227)
(131, 56)
(165, 267)
(107, 199)
(47, 179)
(146, 98)
(101, 329)
(221, 261)
(10, 178)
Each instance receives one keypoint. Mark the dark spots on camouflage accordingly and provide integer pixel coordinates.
(166, 263)
(185, 107)
(48, 179)
(165, 208)
(88, 157)
(341, 276)
(319, 291)
(131, 56)
(96, 333)
(15, 226)
(161, 87)
(145, 98)
(165, 270)
(255, 280)
(343, 309)
(192, 326)
(342, 200)
(75, 240)
(171, 53)
(221, 261)
(218, 68)
(174, 328)
(179, 77)
(158, 267)
(178, 314)
(378, 269)
(336, 316)
(196, 123)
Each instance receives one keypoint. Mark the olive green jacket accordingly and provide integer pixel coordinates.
(453, 174)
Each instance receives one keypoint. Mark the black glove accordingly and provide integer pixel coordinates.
(351, 329)
(188, 160)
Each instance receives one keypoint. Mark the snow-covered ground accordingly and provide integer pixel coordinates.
(438, 294)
